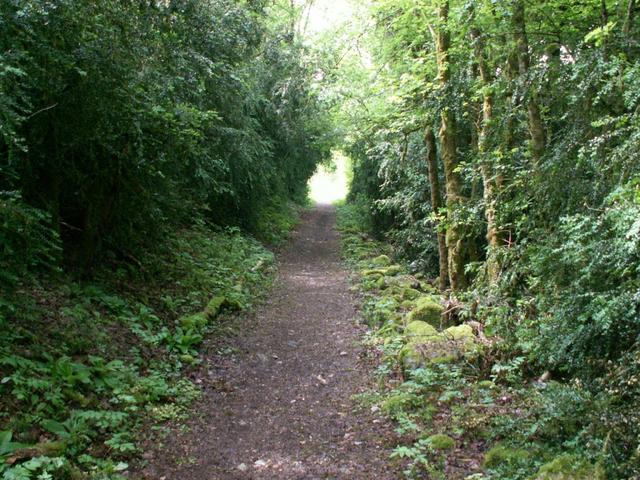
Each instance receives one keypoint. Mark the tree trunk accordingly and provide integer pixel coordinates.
(488, 180)
(436, 204)
(536, 127)
(447, 133)
(628, 21)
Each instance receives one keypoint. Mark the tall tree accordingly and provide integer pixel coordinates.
(447, 133)
(436, 204)
(536, 126)
(490, 185)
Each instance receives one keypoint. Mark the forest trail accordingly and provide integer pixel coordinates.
(281, 407)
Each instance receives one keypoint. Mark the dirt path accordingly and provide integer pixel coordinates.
(281, 408)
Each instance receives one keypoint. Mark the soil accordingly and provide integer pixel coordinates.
(282, 406)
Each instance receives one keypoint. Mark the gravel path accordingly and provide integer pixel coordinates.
(281, 407)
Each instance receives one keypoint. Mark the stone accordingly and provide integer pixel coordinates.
(461, 333)
(418, 331)
(427, 309)
(392, 270)
(425, 345)
(410, 294)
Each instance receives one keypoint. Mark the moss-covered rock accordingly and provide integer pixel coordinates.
(407, 304)
(188, 359)
(418, 331)
(373, 271)
(420, 339)
(462, 333)
(235, 300)
(403, 281)
(427, 309)
(389, 271)
(428, 288)
(392, 270)
(441, 441)
(381, 261)
(430, 346)
(214, 306)
(195, 321)
(410, 294)
(502, 454)
(570, 467)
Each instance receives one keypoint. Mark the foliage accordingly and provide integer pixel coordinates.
(510, 426)
(75, 402)
(545, 101)
(119, 119)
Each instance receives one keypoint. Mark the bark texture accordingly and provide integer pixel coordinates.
(447, 133)
(490, 186)
(536, 126)
(436, 204)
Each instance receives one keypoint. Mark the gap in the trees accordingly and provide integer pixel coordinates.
(330, 183)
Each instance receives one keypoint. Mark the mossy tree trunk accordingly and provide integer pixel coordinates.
(447, 133)
(536, 126)
(490, 185)
(436, 204)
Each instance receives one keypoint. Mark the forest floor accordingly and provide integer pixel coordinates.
(279, 404)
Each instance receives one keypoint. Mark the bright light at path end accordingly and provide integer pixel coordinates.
(328, 186)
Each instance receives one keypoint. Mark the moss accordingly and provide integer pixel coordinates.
(441, 441)
(398, 402)
(486, 385)
(420, 338)
(389, 271)
(188, 359)
(381, 261)
(380, 283)
(195, 321)
(420, 331)
(443, 359)
(214, 306)
(392, 270)
(570, 467)
(502, 454)
(373, 271)
(408, 304)
(428, 288)
(427, 309)
(410, 294)
(463, 333)
(234, 301)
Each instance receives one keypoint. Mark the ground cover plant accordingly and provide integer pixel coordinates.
(463, 404)
(88, 366)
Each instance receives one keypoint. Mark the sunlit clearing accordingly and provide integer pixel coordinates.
(329, 185)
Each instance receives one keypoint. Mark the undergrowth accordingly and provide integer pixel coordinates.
(480, 414)
(84, 365)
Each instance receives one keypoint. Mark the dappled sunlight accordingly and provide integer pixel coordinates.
(330, 185)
